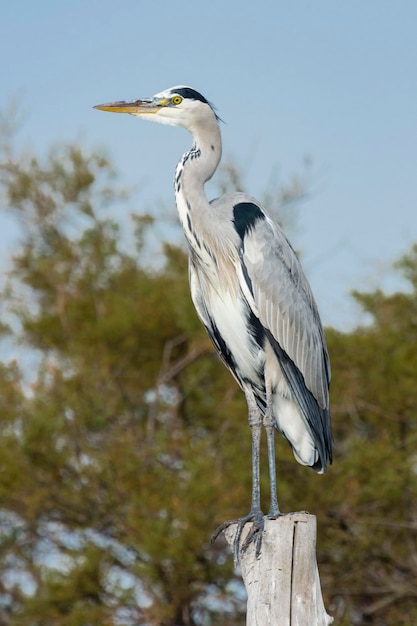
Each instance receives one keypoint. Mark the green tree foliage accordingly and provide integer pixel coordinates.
(372, 529)
(124, 441)
(105, 457)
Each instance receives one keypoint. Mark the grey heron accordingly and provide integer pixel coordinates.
(251, 294)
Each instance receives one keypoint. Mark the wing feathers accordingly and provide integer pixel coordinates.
(274, 301)
(285, 304)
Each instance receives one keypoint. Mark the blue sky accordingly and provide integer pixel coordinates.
(329, 80)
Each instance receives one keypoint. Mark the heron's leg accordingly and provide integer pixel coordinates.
(255, 423)
(255, 515)
(274, 511)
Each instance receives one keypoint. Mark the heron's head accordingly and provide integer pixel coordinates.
(177, 106)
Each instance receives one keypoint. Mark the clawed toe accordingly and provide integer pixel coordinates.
(254, 534)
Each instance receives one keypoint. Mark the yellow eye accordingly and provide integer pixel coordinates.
(176, 100)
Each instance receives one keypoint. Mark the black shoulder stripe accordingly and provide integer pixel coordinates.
(245, 216)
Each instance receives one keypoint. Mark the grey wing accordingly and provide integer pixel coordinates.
(282, 299)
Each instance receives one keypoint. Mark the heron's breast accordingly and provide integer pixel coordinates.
(232, 317)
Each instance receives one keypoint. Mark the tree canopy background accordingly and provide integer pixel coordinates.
(124, 441)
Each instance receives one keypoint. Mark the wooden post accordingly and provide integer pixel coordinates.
(283, 585)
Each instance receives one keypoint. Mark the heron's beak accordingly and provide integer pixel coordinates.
(139, 107)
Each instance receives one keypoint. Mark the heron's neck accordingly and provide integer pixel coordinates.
(194, 169)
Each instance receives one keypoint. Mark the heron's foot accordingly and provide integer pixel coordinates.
(255, 533)
(274, 512)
